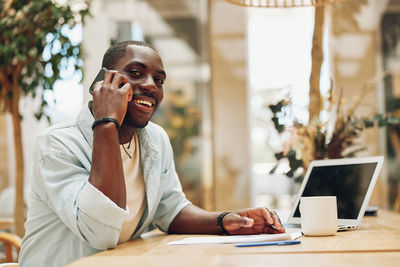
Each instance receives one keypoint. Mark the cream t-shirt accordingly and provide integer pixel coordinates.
(135, 189)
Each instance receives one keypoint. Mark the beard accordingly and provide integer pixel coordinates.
(128, 120)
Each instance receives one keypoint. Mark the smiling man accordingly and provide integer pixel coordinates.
(109, 176)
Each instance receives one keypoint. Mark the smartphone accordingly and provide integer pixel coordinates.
(99, 77)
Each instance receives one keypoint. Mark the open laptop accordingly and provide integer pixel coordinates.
(351, 180)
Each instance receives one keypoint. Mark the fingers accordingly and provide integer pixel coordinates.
(106, 83)
(271, 230)
(277, 222)
(113, 79)
(127, 87)
(117, 80)
(253, 221)
(273, 219)
(108, 77)
(267, 215)
(111, 96)
(97, 86)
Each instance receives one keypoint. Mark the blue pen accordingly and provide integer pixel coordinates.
(278, 243)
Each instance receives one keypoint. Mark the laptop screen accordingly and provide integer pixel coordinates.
(348, 182)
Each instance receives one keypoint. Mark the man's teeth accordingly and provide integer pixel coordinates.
(143, 102)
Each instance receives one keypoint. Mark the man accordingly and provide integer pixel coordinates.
(110, 175)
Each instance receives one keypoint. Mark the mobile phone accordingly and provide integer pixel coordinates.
(99, 77)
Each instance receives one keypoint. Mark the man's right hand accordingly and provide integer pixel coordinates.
(253, 221)
(109, 99)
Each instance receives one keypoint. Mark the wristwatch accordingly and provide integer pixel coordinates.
(220, 228)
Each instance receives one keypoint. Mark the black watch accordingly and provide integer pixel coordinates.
(220, 228)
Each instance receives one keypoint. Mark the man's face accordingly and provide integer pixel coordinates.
(143, 68)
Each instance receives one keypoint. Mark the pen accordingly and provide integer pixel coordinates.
(278, 243)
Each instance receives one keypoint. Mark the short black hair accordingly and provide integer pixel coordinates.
(117, 51)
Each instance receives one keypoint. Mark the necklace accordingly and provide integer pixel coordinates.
(130, 140)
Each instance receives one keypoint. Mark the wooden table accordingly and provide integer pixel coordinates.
(375, 243)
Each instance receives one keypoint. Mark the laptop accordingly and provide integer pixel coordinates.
(351, 180)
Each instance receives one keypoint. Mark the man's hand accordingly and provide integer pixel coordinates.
(109, 98)
(252, 221)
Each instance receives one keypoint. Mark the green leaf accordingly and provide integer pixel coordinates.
(382, 122)
(38, 115)
(368, 123)
(24, 37)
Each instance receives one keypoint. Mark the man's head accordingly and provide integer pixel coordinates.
(140, 63)
(117, 51)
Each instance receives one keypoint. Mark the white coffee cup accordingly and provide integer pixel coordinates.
(318, 215)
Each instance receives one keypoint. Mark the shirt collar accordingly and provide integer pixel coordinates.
(85, 120)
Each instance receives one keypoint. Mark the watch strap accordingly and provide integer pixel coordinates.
(221, 228)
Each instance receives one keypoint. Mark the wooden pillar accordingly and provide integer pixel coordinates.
(3, 153)
(228, 47)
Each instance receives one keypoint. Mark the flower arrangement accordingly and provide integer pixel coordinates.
(337, 137)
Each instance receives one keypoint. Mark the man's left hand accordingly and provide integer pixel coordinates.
(252, 221)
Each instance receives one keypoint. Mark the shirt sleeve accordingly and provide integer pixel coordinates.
(173, 200)
(84, 209)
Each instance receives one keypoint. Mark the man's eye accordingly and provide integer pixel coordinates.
(159, 81)
(135, 73)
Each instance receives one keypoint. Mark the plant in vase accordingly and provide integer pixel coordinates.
(337, 137)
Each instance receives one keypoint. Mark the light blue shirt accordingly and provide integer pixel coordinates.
(68, 218)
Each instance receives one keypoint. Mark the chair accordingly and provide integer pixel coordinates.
(10, 241)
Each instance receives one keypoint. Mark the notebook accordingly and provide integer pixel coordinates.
(351, 180)
(236, 239)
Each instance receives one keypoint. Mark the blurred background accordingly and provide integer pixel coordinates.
(226, 65)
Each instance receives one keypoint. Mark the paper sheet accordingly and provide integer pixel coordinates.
(236, 239)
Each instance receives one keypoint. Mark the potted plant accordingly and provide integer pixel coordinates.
(337, 137)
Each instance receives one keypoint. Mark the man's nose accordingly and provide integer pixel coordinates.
(149, 83)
